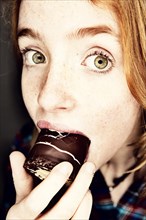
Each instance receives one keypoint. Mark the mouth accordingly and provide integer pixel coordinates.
(57, 129)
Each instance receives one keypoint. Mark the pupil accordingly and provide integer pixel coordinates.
(100, 61)
(37, 58)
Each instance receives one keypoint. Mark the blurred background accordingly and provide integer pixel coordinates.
(12, 111)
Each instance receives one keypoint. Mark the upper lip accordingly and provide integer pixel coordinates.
(43, 124)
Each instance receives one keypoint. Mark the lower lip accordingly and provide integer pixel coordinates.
(87, 156)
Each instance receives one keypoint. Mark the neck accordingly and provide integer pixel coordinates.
(118, 165)
(115, 170)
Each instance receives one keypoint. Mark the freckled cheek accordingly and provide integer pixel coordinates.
(31, 87)
(104, 117)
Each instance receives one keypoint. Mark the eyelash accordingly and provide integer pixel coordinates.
(96, 53)
(104, 54)
(25, 51)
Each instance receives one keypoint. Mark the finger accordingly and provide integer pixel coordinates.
(39, 198)
(22, 180)
(84, 209)
(74, 195)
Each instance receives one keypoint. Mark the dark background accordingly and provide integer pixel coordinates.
(12, 111)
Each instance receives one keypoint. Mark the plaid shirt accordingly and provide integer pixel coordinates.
(130, 207)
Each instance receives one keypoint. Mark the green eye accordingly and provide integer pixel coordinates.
(98, 61)
(38, 58)
(101, 62)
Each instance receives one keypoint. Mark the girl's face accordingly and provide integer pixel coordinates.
(73, 78)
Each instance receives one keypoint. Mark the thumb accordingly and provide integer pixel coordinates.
(22, 180)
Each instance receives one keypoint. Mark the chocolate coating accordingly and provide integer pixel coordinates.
(50, 149)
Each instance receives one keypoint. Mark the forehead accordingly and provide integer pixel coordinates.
(64, 16)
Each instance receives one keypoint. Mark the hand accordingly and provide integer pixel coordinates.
(76, 203)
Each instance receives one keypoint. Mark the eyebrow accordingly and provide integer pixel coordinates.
(79, 33)
(92, 31)
(28, 32)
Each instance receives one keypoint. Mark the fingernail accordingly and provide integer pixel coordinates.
(65, 168)
(90, 167)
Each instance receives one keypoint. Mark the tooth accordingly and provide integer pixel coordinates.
(52, 130)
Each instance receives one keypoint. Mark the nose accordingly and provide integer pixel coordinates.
(55, 94)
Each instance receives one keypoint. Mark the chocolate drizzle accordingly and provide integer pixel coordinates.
(53, 147)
